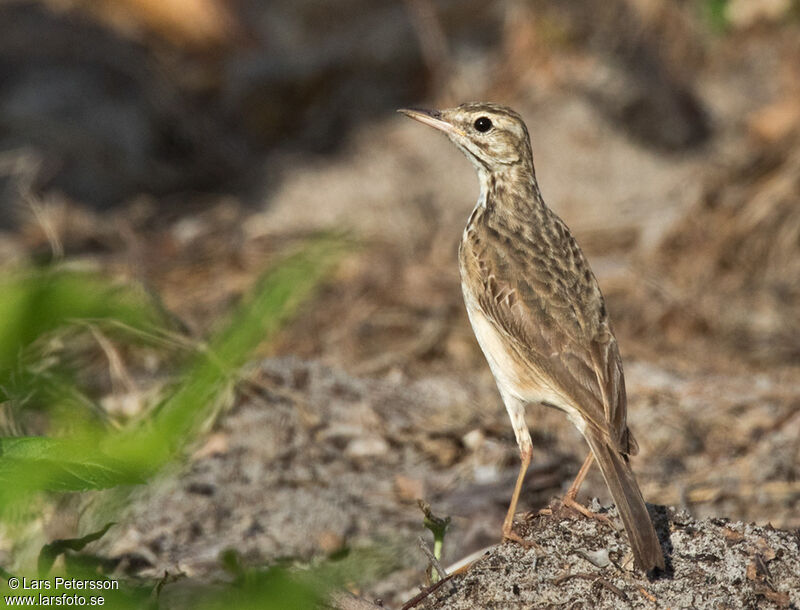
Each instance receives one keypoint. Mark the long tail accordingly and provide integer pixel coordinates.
(630, 504)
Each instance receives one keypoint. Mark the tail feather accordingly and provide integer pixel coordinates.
(630, 504)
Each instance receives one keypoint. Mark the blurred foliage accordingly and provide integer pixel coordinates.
(40, 301)
(275, 587)
(214, 368)
(717, 14)
(50, 552)
(84, 450)
(267, 590)
(30, 464)
(39, 313)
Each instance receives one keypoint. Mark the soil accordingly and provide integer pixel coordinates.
(712, 563)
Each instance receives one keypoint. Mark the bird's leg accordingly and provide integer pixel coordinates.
(516, 411)
(573, 490)
(508, 525)
(572, 493)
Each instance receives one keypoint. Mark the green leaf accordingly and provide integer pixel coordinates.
(717, 15)
(50, 552)
(37, 302)
(273, 589)
(274, 299)
(41, 463)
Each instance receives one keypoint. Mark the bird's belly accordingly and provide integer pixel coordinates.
(513, 375)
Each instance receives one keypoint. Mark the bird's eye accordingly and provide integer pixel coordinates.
(483, 124)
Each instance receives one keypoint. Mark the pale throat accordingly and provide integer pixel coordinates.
(518, 178)
(483, 181)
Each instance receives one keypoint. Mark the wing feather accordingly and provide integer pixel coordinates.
(546, 302)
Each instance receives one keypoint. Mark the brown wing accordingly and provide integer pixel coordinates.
(538, 290)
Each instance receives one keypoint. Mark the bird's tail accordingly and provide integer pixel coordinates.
(630, 504)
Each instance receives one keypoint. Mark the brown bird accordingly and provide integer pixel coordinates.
(538, 313)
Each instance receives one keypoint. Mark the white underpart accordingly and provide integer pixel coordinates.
(505, 365)
(483, 176)
(483, 181)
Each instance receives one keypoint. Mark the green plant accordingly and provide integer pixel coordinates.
(80, 448)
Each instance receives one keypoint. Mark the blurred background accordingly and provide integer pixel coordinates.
(184, 146)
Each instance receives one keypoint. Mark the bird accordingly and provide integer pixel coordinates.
(538, 314)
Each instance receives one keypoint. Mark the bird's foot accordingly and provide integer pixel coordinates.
(568, 502)
(512, 536)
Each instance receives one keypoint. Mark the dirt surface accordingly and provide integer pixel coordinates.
(711, 563)
(310, 460)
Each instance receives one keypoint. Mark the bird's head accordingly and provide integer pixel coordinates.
(493, 137)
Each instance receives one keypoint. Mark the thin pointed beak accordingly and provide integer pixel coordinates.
(432, 118)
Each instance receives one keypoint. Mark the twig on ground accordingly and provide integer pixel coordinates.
(432, 558)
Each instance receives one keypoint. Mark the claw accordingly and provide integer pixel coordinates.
(510, 535)
(570, 503)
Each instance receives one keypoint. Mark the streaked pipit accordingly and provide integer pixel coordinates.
(538, 313)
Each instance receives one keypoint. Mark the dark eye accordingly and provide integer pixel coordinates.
(483, 124)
